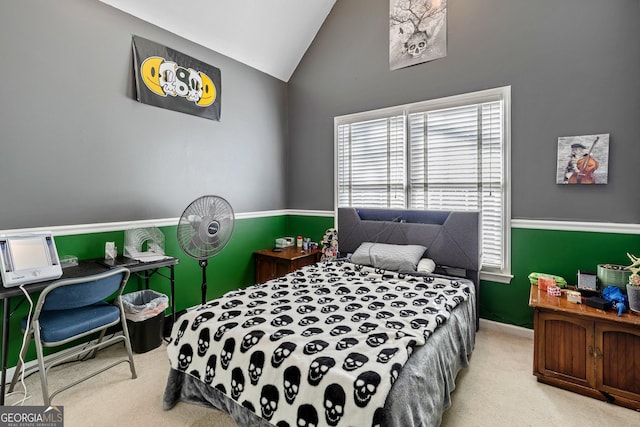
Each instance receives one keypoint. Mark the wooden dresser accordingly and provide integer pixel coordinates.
(270, 264)
(586, 350)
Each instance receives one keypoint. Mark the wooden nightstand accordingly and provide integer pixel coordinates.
(586, 350)
(270, 264)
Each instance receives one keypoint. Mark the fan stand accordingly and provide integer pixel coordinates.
(204, 229)
(203, 263)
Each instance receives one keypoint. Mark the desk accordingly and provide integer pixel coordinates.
(143, 270)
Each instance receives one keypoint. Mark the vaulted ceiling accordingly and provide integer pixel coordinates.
(269, 35)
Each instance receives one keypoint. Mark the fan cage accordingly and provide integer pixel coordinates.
(205, 227)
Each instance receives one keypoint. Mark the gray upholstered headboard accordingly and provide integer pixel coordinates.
(452, 238)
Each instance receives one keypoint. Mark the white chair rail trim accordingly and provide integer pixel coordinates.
(593, 227)
(64, 230)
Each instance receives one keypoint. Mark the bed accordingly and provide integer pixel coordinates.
(341, 342)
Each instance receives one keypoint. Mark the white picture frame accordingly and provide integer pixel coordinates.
(417, 32)
(583, 159)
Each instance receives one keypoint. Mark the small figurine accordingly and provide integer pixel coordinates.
(330, 245)
(618, 299)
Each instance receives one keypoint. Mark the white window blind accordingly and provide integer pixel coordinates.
(447, 154)
(372, 163)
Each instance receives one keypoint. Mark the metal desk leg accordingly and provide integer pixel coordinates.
(173, 295)
(5, 345)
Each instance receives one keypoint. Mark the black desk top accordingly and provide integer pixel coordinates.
(87, 268)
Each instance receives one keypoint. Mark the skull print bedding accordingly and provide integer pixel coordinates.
(320, 346)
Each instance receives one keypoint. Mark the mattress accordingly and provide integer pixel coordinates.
(331, 344)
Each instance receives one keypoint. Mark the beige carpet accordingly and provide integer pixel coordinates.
(498, 389)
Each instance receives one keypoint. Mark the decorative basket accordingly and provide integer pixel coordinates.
(613, 275)
(633, 292)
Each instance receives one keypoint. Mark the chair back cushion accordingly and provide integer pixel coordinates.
(76, 295)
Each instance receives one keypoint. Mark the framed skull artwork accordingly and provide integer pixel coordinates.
(417, 31)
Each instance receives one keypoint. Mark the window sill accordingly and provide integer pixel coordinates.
(496, 277)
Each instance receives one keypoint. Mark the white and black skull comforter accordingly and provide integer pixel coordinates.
(320, 346)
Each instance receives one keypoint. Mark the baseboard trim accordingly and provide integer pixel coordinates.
(506, 328)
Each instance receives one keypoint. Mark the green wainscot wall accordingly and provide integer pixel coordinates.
(562, 253)
(232, 268)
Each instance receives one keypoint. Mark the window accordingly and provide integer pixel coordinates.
(444, 154)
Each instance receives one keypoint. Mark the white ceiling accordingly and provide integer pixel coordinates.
(269, 35)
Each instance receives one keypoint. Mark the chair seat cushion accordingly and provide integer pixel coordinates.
(58, 325)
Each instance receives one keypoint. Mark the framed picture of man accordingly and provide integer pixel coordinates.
(583, 159)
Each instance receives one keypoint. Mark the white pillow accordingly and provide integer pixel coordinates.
(426, 265)
(401, 258)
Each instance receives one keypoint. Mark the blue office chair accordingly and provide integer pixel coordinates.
(70, 309)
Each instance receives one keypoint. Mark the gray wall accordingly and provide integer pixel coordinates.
(77, 148)
(573, 66)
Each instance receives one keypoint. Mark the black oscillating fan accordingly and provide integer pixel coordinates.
(204, 229)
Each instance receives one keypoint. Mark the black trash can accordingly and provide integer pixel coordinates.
(144, 311)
